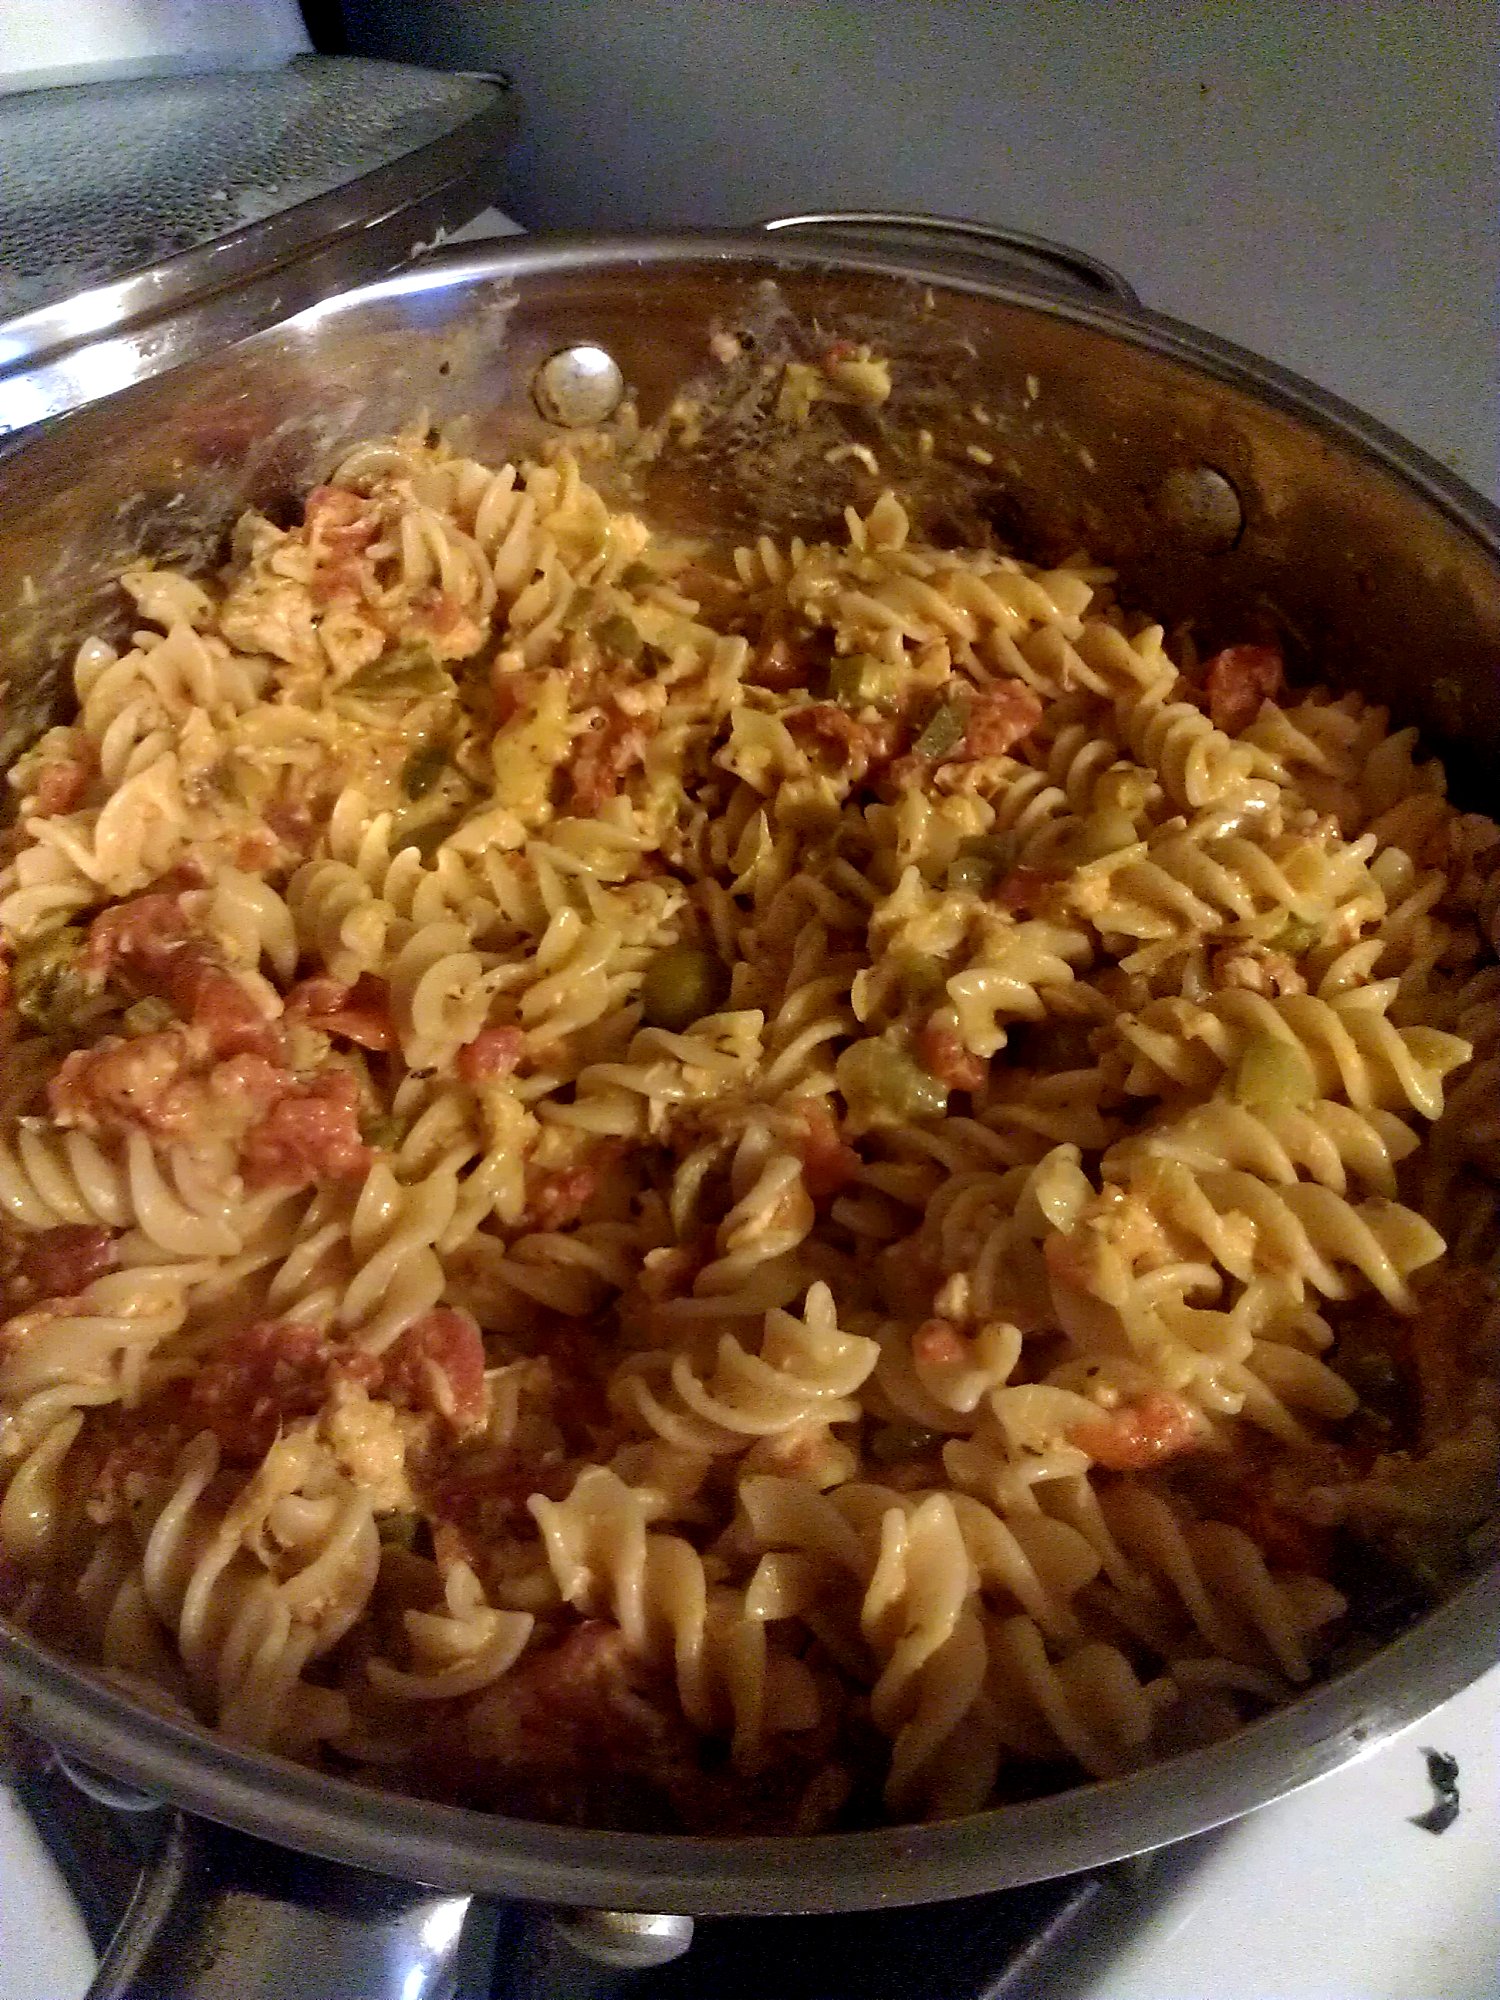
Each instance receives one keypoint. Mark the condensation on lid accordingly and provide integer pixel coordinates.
(99, 181)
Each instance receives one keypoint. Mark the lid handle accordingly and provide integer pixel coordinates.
(1038, 254)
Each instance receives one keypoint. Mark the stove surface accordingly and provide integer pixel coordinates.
(1333, 1894)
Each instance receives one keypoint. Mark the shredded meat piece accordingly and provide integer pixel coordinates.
(309, 1134)
(1238, 680)
(337, 516)
(493, 1052)
(1254, 968)
(941, 1052)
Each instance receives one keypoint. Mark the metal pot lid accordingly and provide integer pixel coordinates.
(123, 206)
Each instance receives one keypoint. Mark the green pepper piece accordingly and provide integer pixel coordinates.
(422, 770)
(49, 980)
(883, 1086)
(406, 672)
(682, 984)
(943, 731)
(896, 1441)
(859, 680)
(398, 1531)
(1297, 936)
(620, 636)
(983, 861)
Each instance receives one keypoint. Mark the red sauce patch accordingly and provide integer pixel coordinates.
(309, 1134)
(263, 1377)
(582, 1700)
(1238, 680)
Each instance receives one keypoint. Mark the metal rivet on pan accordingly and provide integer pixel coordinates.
(634, 1939)
(1202, 506)
(578, 385)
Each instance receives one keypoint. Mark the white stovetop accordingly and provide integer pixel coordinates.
(1330, 1895)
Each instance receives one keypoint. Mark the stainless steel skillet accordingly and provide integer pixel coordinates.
(1060, 413)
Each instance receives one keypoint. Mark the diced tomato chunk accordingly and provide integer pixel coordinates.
(1024, 889)
(941, 1052)
(938, 1344)
(1238, 680)
(359, 1013)
(310, 1134)
(438, 1364)
(118, 1084)
(556, 1198)
(262, 1377)
(140, 935)
(607, 755)
(60, 786)
(1142, 1434)
(150, 944)
(828, 1165)
(778, 664)
(1000, 717)
(857, 747)
(494, 1052)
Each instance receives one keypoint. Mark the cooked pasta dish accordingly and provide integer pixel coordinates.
(739, 1189)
